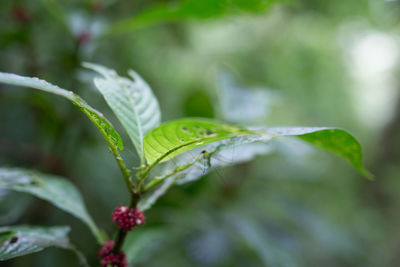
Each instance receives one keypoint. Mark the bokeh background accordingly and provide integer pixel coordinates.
(290, 63)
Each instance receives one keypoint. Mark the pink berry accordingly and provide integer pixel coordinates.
(106, 249)
(128, 218)
(110, 258)
(114, 260)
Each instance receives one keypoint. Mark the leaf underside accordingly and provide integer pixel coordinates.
(175, 137)
(132, 101)
(104, 126)
(60, 192)
(192, 165)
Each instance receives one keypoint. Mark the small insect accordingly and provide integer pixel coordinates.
(211, 159)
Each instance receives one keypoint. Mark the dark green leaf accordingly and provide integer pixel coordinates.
(17, 241)
(57, 191)
(140, 245)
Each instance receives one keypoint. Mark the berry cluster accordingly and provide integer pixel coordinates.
(128, 218)
(110, 258)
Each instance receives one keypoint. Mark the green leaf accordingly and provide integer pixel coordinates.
(12, 199)
(193, 164)
(57, 191)
(337, 141)
(104, 126)
(175, 137)
(189, 9)
(141, 245)
(132, 101)
(17, 241)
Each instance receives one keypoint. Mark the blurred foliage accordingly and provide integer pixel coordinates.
(279, 210)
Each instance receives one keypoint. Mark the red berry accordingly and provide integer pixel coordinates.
(114, 260)
(106, 249)
(128, 218)
(110, 258)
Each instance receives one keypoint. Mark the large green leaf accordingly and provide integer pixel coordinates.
(184, 9)
(17, 241)
(57, 191)
(175, 137)
(104, 126)
(193, 164)
(132, 101)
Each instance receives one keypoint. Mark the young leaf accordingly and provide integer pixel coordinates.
(104, 126)
(57, 191)
(175, 137)
(132, 101)
(17, 241)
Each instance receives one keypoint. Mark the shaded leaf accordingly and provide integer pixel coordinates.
(270, 250)
(57, 191)
(140, 245)
(104, 126)
(245, 105)
(175, 137)
(11, 199)
(17, 241)
(132, 101)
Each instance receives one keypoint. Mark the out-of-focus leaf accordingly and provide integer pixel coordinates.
(256, 238)
(139, 245)
(132, 101)
(57, 191)
(17, 241)
(18, 202)
(190, 9)
(150, 198)
(243, 105)
(104, 126)
(175, 137)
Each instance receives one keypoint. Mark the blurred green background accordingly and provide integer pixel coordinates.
(309, 62)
